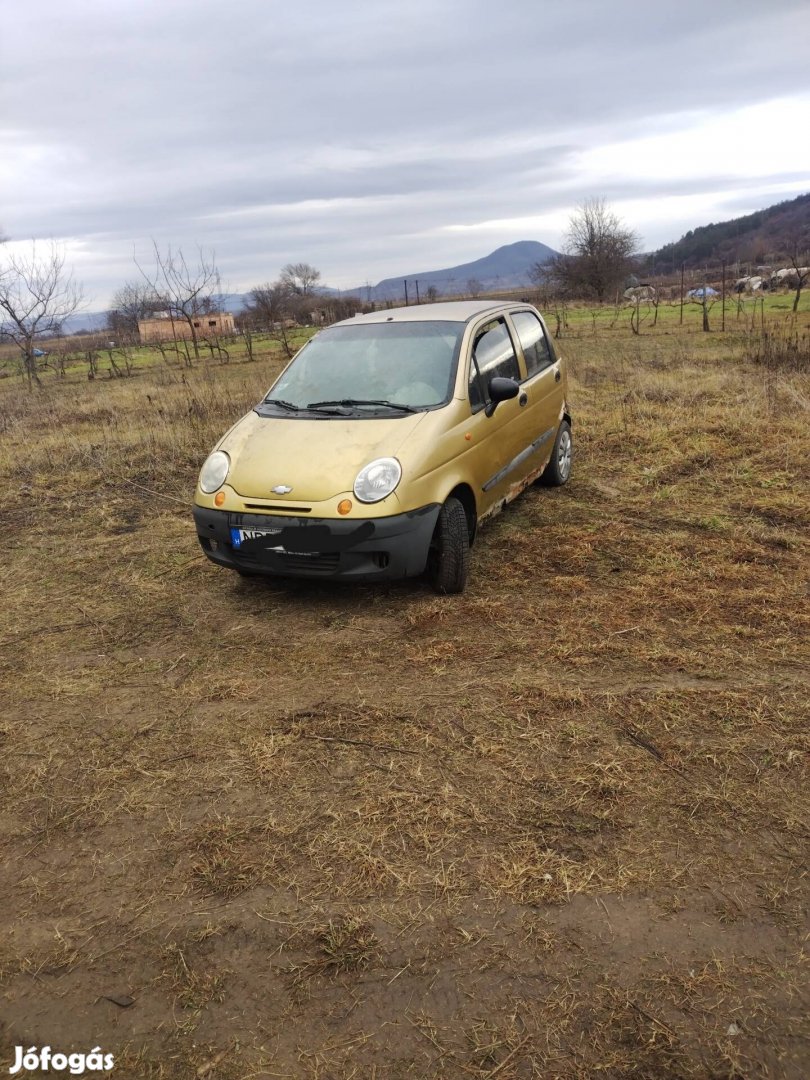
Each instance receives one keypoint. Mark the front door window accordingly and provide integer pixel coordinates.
(493, 355)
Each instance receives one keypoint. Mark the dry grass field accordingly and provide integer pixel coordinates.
(556, 827)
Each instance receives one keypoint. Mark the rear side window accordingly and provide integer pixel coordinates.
(532, 341)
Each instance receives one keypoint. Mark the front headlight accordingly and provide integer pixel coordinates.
(214, 471)
(377, 480)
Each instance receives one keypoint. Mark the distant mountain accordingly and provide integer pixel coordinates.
(509, 267)
(767, 236)
(86, 322)
(506, 268)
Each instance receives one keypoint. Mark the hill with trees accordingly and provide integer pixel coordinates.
(764, 237)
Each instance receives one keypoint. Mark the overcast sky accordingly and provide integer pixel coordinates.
(374, 139)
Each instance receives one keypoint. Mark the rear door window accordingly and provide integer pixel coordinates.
(533, 341)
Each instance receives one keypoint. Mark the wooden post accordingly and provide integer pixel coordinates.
(682, 294)
(723, 323)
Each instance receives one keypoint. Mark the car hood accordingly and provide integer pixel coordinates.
(316, 459)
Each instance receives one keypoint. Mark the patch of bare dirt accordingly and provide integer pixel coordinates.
(554, 827)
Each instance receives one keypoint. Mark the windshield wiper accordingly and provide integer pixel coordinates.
(348, 403)
(282, 404)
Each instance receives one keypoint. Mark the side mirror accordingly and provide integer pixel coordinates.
(500, 389)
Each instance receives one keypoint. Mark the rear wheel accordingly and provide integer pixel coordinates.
(559, 468)
(449, 556)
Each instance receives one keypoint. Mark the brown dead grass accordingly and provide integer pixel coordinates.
(554, 827)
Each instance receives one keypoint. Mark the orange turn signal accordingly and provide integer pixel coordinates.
(344, 506)
(219, 498)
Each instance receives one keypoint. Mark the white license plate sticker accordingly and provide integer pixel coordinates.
(238, 536)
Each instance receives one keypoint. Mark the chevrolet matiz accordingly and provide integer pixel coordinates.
(385, 442)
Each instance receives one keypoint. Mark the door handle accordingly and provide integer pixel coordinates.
(557, 376)
(523, 398)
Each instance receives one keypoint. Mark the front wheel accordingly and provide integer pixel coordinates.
(449, 556)
(558, 470)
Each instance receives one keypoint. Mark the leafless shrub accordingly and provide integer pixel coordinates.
(780, 348)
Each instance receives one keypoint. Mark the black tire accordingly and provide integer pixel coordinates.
(449, 556)
(558, 470)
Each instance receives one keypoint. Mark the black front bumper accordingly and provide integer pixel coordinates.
(373, 548)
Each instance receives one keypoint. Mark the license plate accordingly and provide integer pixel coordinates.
(238, 536)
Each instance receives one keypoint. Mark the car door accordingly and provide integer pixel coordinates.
(542, 385)
(497, 440)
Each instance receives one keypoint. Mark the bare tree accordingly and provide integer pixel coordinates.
(134, 301)
(474, 287)
(300, 278)
(185, 290)
(37, 294)
(801, 273)
(706, 296)
(634, 296)
(599, 251)
(269, 304)
(293, 296)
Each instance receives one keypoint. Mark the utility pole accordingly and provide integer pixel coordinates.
(417, 292)
(681, 294)
(406, 292)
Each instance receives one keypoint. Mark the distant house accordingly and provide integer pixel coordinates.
(164, 327)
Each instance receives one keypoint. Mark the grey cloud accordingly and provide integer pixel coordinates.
(351, 134)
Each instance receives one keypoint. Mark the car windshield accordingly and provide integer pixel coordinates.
(372, 366)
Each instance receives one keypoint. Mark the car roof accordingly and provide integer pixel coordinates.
(457, 311)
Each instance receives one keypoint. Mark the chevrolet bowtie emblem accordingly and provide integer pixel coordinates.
(281, 489)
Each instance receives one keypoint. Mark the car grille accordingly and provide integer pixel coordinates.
(320, 563)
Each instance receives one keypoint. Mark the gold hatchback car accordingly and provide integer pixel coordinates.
(384, 443)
